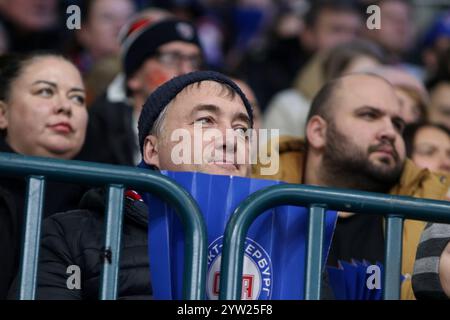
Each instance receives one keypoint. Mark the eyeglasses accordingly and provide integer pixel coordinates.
(175, 59)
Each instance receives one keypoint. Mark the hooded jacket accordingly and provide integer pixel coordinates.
(414, 182)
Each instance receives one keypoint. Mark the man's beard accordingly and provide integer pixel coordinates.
(347, 166)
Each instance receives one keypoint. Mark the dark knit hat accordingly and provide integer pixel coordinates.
(143, 39)
(165, 93)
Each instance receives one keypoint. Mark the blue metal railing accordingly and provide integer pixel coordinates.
(395, 208)
(38, 170)
(318, 199)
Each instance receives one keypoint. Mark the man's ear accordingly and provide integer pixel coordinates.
(151, 154)
(316, 132)
(3, 115)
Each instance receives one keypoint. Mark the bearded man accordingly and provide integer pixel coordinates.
(354, 141)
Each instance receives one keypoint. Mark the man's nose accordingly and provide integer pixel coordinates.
(229, 140)
(388, 131)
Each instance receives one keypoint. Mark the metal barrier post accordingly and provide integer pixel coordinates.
(333, 199)
(314, 263)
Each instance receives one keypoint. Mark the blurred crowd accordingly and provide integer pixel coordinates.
(285, 50)
(270, 44)
(282, 54)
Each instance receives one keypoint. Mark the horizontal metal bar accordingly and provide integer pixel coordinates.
(336, 199)
(354, 201)
(302, 195)
(31, 238)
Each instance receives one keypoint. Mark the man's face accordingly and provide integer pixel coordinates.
(333, 28)
(172, 59)
(208, 107)
(397, 30)
(31, 15)
(365, 134)
(409, 108)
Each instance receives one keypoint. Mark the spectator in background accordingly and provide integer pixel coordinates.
(428, 146)
(329, 23)
(102, 21)
(288, 109)
(431, 277)
(42, 113)
(96, 47)
(397, 33)
(354, 141)
(4, 40)
(326, 24)
(439, 108)
(32, 24)
(154, 49)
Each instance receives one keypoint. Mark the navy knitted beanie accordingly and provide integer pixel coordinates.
(144, 39)
(165, 93)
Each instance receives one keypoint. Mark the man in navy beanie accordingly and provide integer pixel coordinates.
(155, 47)
(180, 116)
(203, 99)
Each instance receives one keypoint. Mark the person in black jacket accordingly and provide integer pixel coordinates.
(42, 113)
(75, 238)
(155, 48)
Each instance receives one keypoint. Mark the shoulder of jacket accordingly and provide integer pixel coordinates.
(431, 185)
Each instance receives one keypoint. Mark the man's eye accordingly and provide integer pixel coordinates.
(369, 115)
(241, 130)
(80, 100)
(204, 121)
